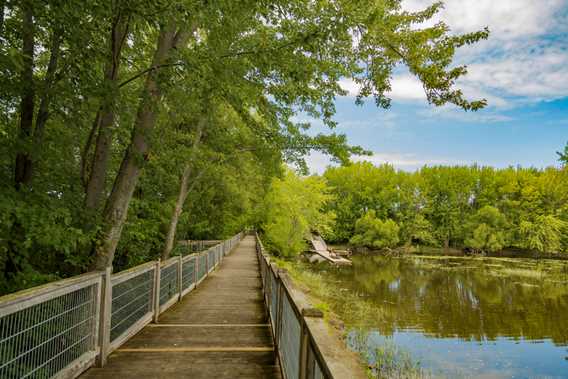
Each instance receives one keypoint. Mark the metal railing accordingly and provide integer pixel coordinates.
(305, 348)
(62, 328)
(189, 246)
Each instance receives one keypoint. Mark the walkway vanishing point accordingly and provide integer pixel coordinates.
(220, 330)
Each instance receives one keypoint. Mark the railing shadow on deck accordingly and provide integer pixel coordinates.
(63, 328)
(305, 347)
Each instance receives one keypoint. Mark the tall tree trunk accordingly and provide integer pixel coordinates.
(182, 195)
(2, 6)
(22, 172)
(105, 117)
(116, 208)
(47, 95)
(85, 153)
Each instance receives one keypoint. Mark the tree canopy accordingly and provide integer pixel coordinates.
(128, 124)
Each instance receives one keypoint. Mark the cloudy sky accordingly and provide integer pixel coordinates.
(522, 70)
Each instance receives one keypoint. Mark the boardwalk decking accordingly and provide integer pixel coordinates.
(219, 330)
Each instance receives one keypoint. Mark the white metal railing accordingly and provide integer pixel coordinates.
(305, 348)
(62, 328)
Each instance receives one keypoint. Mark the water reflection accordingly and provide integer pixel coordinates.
(491, 317)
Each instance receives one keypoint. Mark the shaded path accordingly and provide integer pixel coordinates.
(219, 330)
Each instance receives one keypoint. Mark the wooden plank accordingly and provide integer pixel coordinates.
(208, 325)
(183, 337)
(196, 349)
(195, 365)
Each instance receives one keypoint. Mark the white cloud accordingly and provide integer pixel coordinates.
(533, 73)
(524, 61)
(453, 113)
(404, 87)
(526, 56)
(507, 19)
(405, 161)
(319, 162)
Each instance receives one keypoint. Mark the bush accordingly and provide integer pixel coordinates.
(374, 233)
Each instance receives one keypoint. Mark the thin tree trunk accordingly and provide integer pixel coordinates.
(116, 208)
(87, 150)
(47, 96)
(2, 6)
(182, 196)
(22, 172)
(105, 118)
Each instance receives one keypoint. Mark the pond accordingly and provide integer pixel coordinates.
(458, 317)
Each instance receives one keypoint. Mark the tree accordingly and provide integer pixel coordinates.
(487, 230)
(293, 209)
(417, 230)
(544, 234)
(374, 233)
(94, 170)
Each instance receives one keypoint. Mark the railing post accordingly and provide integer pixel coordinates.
(303, 350)
(104, 319)
(305, 340)
(180, 273)
(157, 291)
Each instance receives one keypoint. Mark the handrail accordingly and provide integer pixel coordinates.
(62, 328)
(305, 348)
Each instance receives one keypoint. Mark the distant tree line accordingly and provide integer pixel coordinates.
(481, 209)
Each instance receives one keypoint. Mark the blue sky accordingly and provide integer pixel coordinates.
(522, 70)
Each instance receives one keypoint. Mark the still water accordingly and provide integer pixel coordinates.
(458, 317)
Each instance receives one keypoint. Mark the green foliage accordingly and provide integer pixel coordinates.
(476, 207)
(544, 234)
(248, 70)
(417, 230)
(293, 209)
(563, 156)
(487, 230)
(375, 233)
(39, 241)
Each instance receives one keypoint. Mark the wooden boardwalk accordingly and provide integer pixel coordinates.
(220, 330)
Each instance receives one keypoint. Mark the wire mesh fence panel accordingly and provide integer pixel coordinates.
(314, 370)
(188, 273)
(43, 339)
(289, 341)
(210, 259)
(168, 282)
(274, 297)
(202, 269)
(131, 301)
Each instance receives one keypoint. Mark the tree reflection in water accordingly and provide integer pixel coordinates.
(502, 303)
